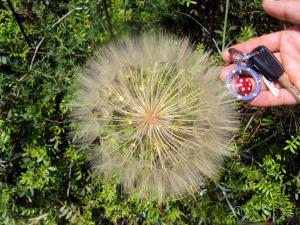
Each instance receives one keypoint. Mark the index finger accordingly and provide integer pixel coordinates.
(271, 41)
(284, 10)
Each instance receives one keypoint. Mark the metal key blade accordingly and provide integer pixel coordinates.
(271, 87)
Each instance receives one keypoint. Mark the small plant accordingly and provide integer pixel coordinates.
(294, 144)
(163, 119)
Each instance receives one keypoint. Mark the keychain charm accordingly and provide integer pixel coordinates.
(240, 78)
(244, 85)
(239, 83)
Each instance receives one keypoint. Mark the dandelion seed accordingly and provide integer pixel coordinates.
(165, 122)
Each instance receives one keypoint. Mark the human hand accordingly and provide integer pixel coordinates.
(286, 47)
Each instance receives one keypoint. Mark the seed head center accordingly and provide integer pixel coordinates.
(151, 116)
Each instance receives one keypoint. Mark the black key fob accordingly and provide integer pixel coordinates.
(266, 63)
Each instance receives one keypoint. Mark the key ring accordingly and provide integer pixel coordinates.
(238, 81)
(241, 57)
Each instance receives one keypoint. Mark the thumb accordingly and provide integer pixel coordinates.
(283, 9)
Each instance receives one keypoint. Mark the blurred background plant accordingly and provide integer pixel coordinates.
(44, 179)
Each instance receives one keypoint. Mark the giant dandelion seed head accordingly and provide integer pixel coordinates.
(163, 119)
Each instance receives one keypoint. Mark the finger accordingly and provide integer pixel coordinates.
(284, 10)
(225, 71)
(271, 41)
(291, 54)
(267, 99)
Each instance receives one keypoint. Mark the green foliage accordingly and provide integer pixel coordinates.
(247, 32)
(44, 179)
(187, 2)
(294, 144)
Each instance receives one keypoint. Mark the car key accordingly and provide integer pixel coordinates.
(265, 62)
(269, 69)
